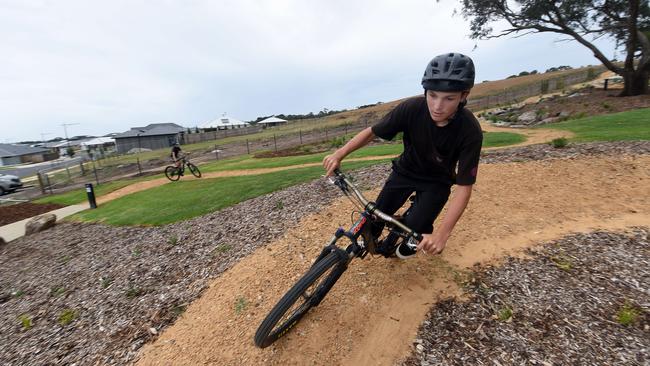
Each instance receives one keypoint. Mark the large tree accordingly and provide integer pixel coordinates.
(628, 22)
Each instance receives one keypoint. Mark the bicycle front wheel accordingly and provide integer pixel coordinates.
(306, 293)
(171, 172)
(194, 169)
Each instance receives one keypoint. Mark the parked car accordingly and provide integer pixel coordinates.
(9, 183)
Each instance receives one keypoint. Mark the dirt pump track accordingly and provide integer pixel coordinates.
(372, 314)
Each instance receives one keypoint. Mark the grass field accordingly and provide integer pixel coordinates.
(79, 195)
(198, 197)
(248, 162)
(186, 199)
(630, 125)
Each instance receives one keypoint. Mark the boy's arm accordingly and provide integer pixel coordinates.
(435, 243)
(333, 161)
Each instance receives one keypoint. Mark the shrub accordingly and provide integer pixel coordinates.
(26, 321)
(627, 314)
(67, 316)
(559, 142)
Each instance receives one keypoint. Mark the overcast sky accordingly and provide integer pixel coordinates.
(106, 66)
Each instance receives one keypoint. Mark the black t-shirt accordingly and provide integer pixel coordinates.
(433, 153)
(176, 150)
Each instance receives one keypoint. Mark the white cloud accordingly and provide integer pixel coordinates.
(113, 65)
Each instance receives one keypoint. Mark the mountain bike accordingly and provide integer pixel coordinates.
(333, 260)
(174, 173)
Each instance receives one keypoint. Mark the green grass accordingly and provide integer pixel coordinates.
(630, 125)
(186, 199)
(79, 195)
(496, 139)
(248, 162)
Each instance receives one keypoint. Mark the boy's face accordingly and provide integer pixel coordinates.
(442, 105)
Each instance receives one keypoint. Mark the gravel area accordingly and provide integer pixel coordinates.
(546, 151)
(90, 294)
(562, 307)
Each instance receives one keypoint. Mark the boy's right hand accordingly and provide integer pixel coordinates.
(331, 162)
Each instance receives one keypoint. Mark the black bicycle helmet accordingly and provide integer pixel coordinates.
(449, 72)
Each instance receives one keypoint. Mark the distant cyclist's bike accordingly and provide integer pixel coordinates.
(174, 173)
(312, 287)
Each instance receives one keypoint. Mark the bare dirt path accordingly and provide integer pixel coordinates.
(372, 314)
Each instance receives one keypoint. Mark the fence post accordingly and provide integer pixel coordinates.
(248, 149)
(81, 166)
(275, 143)
(40, 182)
(95, 171)
(139, 167)
(300, 132)
(216, 152)
(47, 180)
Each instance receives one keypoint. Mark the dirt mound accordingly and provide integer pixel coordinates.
(20, 211)
(242, 259)
(372, 314)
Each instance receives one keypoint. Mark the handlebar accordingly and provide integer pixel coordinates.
(346, 185)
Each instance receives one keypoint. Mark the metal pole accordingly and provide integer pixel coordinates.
(139, 167)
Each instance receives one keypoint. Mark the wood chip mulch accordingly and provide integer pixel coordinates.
(564, 306)
(20, 211)
(89, 294)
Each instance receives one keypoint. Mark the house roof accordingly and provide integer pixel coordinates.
(98, 141)
(9, 150)
(153, 129)
(273, 120)
(224, 121)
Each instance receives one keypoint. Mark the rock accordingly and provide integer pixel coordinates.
(2, 242)
(40, 223)
(527, 117)
(564, 114)
(549, 120)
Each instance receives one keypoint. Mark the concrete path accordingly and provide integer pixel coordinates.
(17, 229)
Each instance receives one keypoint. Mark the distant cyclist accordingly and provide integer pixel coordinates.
(177, 157)
(442, 145)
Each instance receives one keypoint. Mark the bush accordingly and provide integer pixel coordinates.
(559, 142)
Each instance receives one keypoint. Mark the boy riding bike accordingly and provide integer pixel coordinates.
(442, 145)
(176, 156)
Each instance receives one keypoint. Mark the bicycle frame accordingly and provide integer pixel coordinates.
(362, 227)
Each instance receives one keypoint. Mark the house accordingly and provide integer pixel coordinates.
(98, 146)
(151, 137)
(224, 123)
(272, 121)
(61, 147)
(11, 154)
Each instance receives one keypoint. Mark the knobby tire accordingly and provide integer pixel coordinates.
(172, 173)
(194, 169)
(268, 332)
